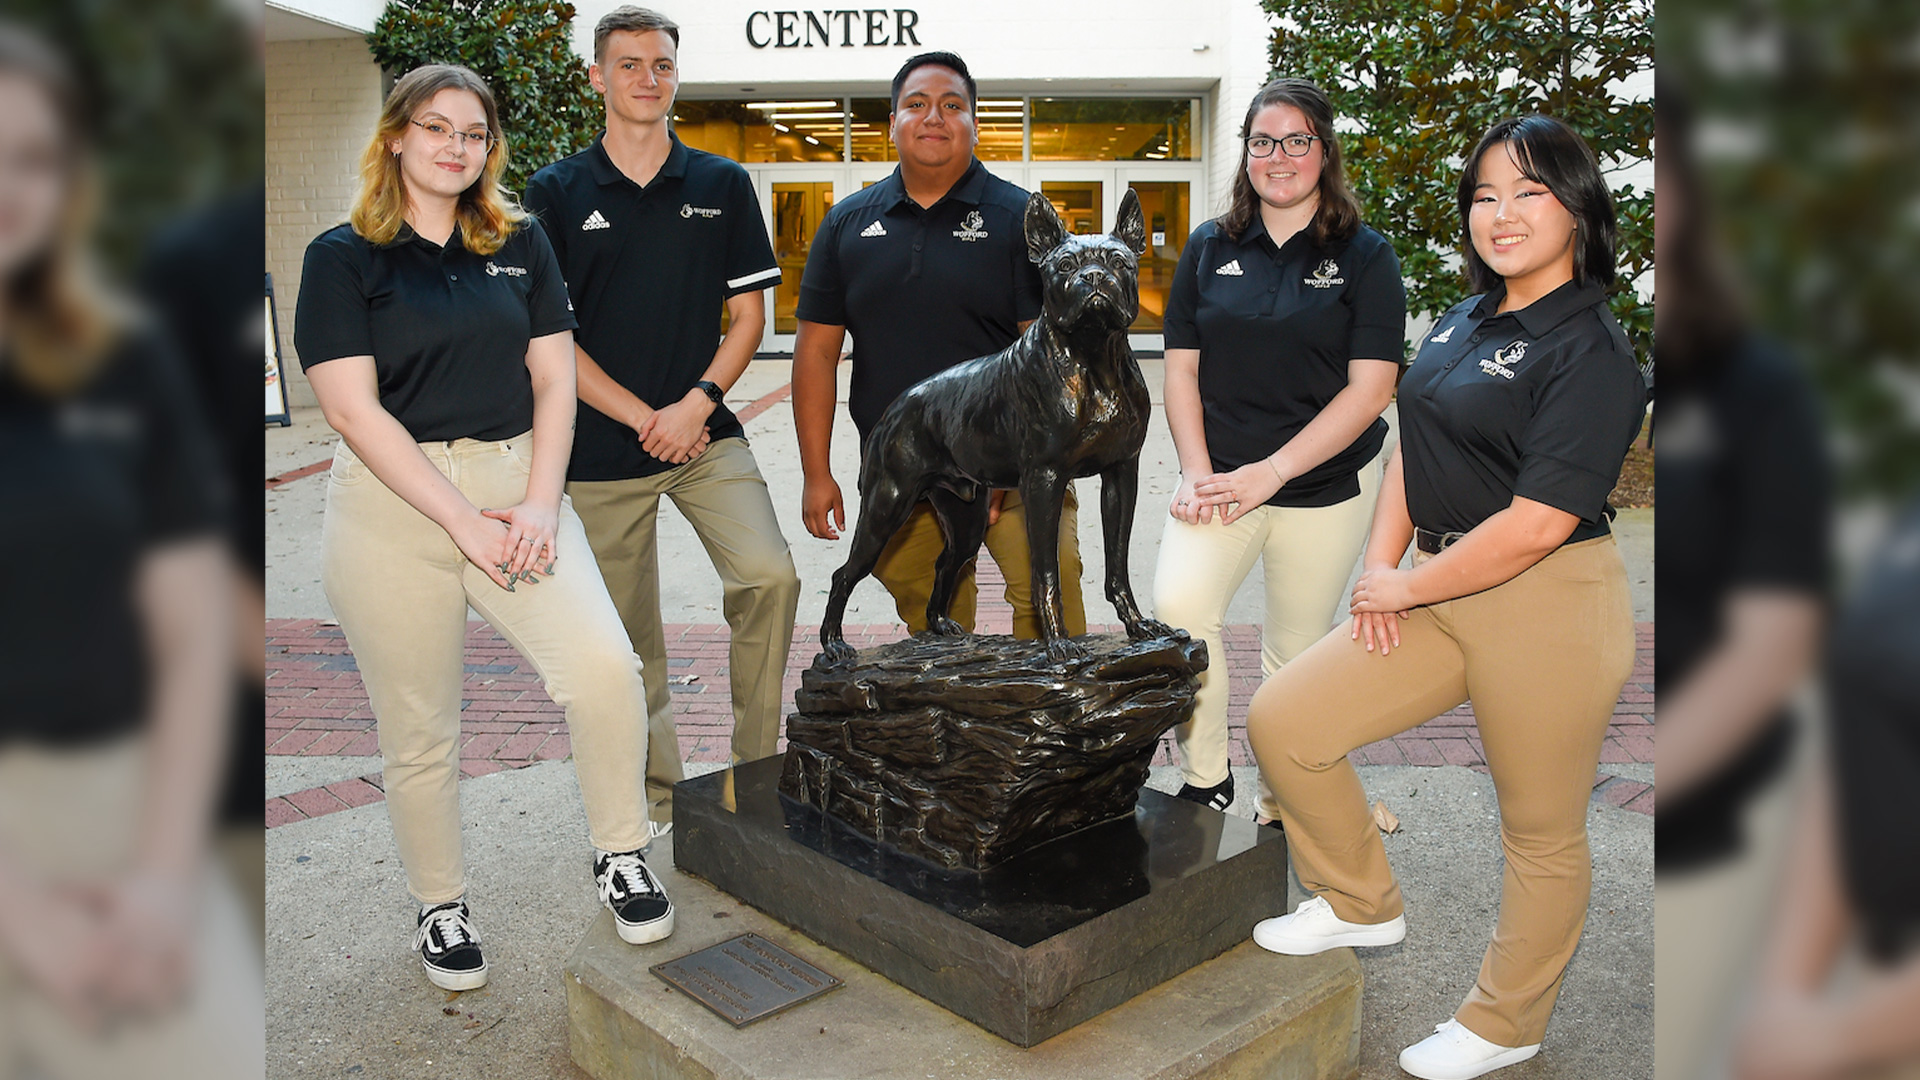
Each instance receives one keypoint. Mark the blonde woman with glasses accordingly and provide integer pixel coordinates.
(436, 331)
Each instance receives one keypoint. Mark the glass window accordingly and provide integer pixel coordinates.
(1003, 129)
(754, 131)
(871, 140)
(1078, 204)
(1113, 129)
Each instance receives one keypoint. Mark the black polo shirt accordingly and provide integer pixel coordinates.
(447, 328)
(98, 479)
(650, 269)
(1276, 327)
(1542, 403)
(921, 289)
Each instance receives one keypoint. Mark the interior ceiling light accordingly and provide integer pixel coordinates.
(793, 104)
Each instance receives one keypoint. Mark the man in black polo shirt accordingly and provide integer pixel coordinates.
(653, 238)
(928, 268)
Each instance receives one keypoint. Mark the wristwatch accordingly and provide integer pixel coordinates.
(711, 389)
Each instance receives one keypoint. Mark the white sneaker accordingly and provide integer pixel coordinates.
(1454, 1053)
(655, 830)
(1314, 928)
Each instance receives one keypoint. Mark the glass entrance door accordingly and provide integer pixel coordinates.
(795, 200)
(1168, 207)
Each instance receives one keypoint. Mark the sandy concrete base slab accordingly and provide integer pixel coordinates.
(1245, 1014)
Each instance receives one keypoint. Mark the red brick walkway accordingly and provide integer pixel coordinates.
(315, 705)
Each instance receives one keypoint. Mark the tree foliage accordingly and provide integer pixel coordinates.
(1420, 81)
(524, 51)
(173, 97)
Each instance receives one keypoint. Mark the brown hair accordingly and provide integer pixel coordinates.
(1337, 217)
(1701, 311)
(636, 20)
(65, 320)
(487, 213)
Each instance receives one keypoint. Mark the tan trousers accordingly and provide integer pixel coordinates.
(724, 498)
(400, 588)
(1543, 658)
(1308, 554)
(906, 568)
(72, 816)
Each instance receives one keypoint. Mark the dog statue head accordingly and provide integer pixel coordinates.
(1090, 282)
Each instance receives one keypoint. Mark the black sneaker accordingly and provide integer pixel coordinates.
(449, 948)
(1217, 797)
(641, 910)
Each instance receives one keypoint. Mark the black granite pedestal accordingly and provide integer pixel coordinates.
(1025, 950)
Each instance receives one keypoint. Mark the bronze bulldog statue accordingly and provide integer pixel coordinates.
(1065, 400)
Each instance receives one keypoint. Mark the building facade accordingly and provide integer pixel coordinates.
(1079, 99)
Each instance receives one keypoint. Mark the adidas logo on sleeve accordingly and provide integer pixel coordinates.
(595, 221)
(875, 229)
(1231, 269)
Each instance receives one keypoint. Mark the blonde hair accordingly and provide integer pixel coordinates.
(487, 213)
(65, 321)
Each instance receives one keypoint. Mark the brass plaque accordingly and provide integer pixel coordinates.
(745, 978)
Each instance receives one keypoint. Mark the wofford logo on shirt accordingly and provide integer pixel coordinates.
(494, 269)
(1325, 276)
(688, 210)
(1502, 360)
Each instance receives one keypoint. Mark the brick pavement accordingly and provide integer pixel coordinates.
(315, 705)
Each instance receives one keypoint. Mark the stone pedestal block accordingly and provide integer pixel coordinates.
(1026, 950)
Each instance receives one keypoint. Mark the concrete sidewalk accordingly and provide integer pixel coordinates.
(349, 999)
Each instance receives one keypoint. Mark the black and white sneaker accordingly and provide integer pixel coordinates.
(449, 948)
(1217, 797)
(641, 910)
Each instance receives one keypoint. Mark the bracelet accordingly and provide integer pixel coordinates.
(1276, 470)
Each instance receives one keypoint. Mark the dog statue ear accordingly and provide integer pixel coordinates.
(1044, 228)
(1131, 227)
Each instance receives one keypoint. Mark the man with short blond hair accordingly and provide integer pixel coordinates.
(654, 238)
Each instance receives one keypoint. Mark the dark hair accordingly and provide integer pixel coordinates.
(1702, 313)
(940, 59)
(637, 20)
(1548, 152)
(1338, 215)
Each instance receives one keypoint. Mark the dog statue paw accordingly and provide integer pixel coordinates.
(941, 626)
(1064, 650)
(1151, 628)
(835, 652)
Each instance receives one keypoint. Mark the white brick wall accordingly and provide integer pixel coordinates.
(323, 97)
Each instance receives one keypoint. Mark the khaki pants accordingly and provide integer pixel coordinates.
(72, 816)
(401, 588)
(725, 500)
(1543, 658)
(1308, 554)
(906, 568)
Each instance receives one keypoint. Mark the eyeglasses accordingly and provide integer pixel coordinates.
(446, 134)
(1294, 145)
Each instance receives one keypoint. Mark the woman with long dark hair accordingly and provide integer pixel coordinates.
(1515, 418)
(1283, 334)
(436, 331)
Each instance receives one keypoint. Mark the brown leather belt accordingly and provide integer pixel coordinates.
(1433, 543)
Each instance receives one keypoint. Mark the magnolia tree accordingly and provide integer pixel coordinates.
(524, 51)
(1416, 82)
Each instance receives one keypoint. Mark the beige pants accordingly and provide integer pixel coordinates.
(72, 816)
(400, 588)
(1307, 555)
(723, 497)
(1543, 658)
(906, 568)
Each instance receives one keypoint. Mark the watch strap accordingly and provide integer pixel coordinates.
(712, 390)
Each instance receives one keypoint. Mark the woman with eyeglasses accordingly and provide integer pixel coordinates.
(1283, 339)
(436, 331)
(1515, 418)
